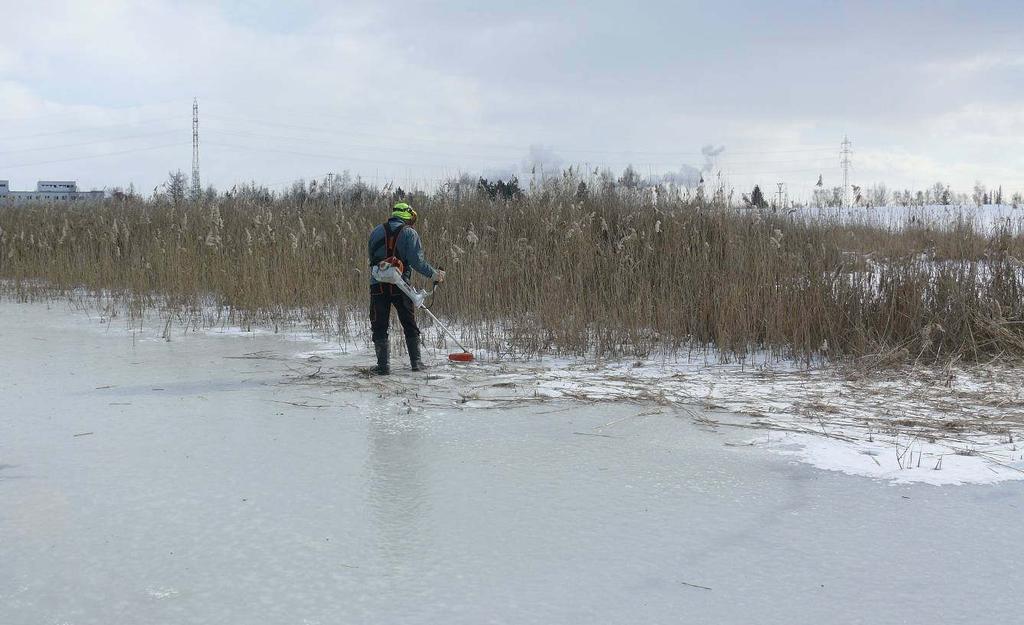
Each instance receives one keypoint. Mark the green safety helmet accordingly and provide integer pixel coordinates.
(404, 212)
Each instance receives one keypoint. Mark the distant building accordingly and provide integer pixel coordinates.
(48, 190)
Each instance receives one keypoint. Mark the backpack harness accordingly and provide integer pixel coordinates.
(391, 253)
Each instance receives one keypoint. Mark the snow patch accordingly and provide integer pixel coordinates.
(914, 461)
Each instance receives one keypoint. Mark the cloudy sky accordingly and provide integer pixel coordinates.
(101, 90)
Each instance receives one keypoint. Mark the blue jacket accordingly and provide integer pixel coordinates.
(408, 249)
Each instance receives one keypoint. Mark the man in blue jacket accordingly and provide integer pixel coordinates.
(396, 238)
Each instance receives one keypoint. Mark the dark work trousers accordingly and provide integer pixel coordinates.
(382, 298)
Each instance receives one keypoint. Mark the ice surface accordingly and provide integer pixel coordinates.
(260, 479)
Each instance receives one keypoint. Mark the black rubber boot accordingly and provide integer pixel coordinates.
(412, 343)
(383, 358)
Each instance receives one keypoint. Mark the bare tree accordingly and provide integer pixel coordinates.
(979, 196)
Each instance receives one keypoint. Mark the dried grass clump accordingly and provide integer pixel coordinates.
(606, 272)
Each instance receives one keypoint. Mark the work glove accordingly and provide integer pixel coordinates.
(439, 275)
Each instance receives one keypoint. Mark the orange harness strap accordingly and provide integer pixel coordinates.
(390, 245)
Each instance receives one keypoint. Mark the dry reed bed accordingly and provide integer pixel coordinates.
(609, 273)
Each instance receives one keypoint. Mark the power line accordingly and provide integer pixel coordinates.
(89, 128)
(292, 112)
(668, 166)
(342, 157)
(307, 114)
(518, 149)
(476, 156)
(816, 160)
(88, 143)
(320, 130)
(338, 157)
(358, 146)
(92, 156)
(82, 112)
(778, 171)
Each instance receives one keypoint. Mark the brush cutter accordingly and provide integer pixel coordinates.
(390, 274)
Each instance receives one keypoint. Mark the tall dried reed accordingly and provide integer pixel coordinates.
(613, 272)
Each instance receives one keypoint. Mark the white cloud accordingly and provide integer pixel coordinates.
(916, 171)
(8, 60)
(113, 53)
(977, 63)
(988, 122)
(407, 90)
(18, 101)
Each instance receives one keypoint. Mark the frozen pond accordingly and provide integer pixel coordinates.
(145, 481)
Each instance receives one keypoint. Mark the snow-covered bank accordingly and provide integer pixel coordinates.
(939, 426)
(238, 478)
(916, 424)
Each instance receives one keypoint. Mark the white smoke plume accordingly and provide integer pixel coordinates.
(710, 153)
(540, 159)
(688, 176)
